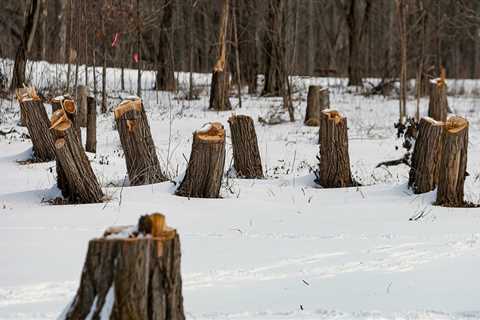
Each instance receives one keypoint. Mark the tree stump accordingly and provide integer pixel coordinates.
(334, 158)
(203, 177)
(247, 162)
(219, 90)
(57, 102)
(36, 120)
(82, 97)
(91, 144)
(318, 100)
(77, 179)
(426, 156)
(438, 104)
(140, 155)
(126, 276)
(453, 164)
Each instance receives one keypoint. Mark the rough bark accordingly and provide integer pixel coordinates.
(453, 165)
(247, 161)
(438, 105)
(203, 177)
(334, 158)
(219, 90)
(140, 155)
(140, 276)
(318, 100)
(91, 144)
(426, 156)
(82, 95)
(36, 120)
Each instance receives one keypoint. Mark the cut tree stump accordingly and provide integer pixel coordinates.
(36, 120)
(426, 156)
(91, 144)
(219, 90)
(247, 162)
(203, 177)
(76, 180)
(82, 97)
(140, 155)
(68, 104)
(334, 158)
(318, 100)
(453, 164)
(438, 104)
(126, 276)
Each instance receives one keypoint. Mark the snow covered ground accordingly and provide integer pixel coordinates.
(278, 248)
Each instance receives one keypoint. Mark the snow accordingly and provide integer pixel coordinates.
(205, 128)
(275, 248)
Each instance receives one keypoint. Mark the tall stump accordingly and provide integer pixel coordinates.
(438, 104)
(140, 155)
(203, 177)
(82, 99)
(247, 162)
(453, 165)
(426, 156)
(36, 120)
(77, 179)
(219, 90)
(318, 100)
(126, 276)
(91, 144)
(334, 158)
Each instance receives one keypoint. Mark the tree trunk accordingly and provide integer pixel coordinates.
(36, 120)
(131, 278)
(317, 101)
(426, 156)
(82, 94)
(246, 155)
(334, 157)
(77, 179)
(91, 144)
(203, 177)
(140, 155)
(438, 105)
(166, 73)
(453, 165)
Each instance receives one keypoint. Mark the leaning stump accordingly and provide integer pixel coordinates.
(203, 177)
(131, 273)
(247, 162)
(318, 100)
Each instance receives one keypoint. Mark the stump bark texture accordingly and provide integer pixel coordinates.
(334, 158)
(140, 155)
(203, 177)
(453, 165)
(91, 143)
(246, 155)
(318, 100)
(426, 156)
(219, 90)
(82, 99)
(438, 104)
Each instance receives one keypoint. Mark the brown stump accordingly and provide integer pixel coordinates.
(76, 179)
(82, 97)
(426, 156)
(334, 158)
(36, 120)
(438, 104)
(453, 165)
(318, 100)
(203, 177)
(91, 144)
(219, 89)
(140, 155)
(247, 162)
(140, 277)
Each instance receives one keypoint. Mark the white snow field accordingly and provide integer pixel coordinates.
(277, 248)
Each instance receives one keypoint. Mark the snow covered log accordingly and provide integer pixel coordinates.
(82, 96)
(247, 161)
(140, 155)
(318, 100)
(453, 165)
(426, 156)
(334, 158)
(91, 143)
(36, 120)
(219, 90)
(438, 104)
(133, 274)
(203, 177)
(76, 179)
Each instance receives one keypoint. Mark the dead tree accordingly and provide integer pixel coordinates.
(131, 276)
(91, 144)
(453, 164)
(77, 180)
(82, 94)
(140, 155)
(36, 120)
(220, 85)
(203, 177)
(438, 104)
(426, 156)
(247, 162)
(318, 100)
(334, 158)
